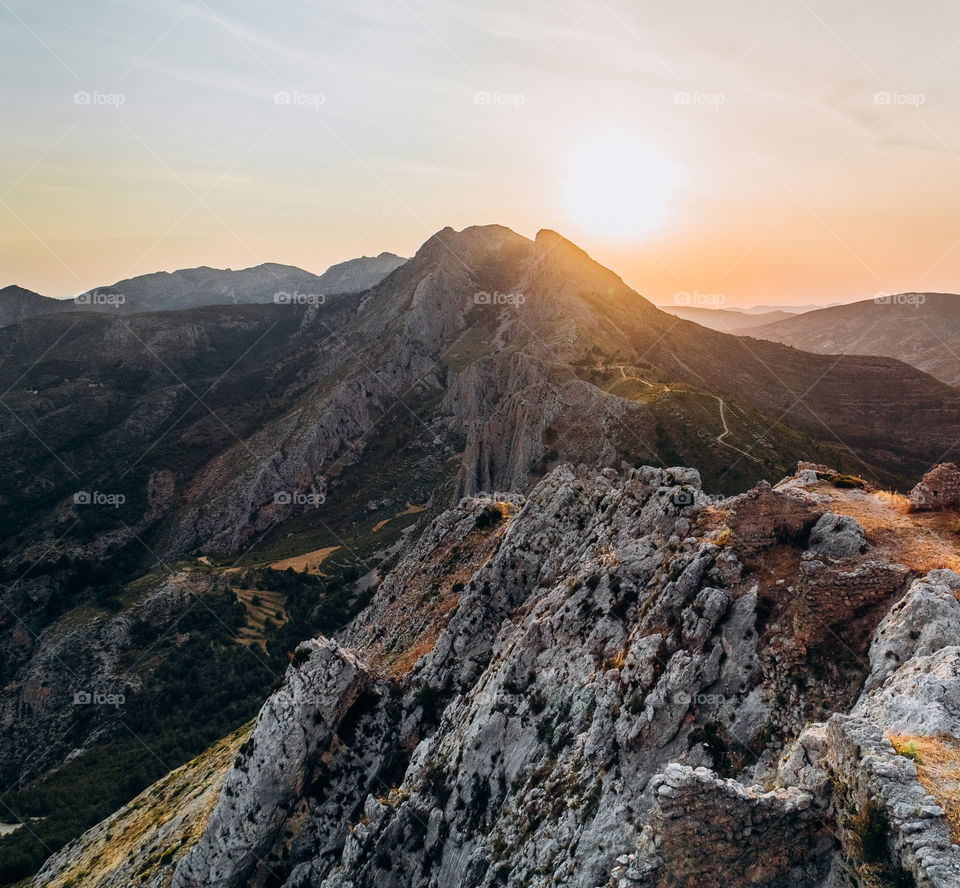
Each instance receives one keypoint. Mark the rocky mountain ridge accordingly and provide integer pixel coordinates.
(726, 320)
(635, 685)
(357, 275)
(17, 304)
(195, 287)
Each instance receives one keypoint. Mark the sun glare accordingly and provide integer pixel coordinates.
(618, 187)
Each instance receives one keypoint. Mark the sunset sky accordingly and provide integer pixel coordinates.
(770, 152)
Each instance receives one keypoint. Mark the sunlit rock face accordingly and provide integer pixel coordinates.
(619, 693)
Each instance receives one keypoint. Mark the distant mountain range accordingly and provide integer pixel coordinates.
(357, 275)
(195, 287)
(18, 304)
(723, 319)
(921, 329)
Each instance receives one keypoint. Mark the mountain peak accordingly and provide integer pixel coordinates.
(18, 303)
(13, 291)
(470, 237)
(550, 241)
(357, 275)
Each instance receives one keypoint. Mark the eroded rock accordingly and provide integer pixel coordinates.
(938, 489)
(298, 723)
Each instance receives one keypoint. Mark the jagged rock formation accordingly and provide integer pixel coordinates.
(294, 730)
(511, 389)
(420, 391)
(890, 826)
(606, 704)
(939, 489)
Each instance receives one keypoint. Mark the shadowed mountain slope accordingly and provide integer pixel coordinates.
(921, 329)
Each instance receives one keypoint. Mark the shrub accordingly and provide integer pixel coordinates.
(846, 481)
(300, 656)
(489, 516)
(911, 751)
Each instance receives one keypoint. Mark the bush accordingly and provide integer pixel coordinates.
(489, 516)
(910, 750)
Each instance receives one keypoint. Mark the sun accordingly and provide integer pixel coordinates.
(618, 187)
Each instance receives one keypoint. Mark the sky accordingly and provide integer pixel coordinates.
(727, 154)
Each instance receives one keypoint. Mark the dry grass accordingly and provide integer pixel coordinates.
(411, 509)
(156, 829)
(711, 518)
(899, 502)
(414, 619)
(309, 562)
(937, 760)
(266, 607)
(436, 620)
(923, 541)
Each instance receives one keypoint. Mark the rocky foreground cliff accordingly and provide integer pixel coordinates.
(616, 681)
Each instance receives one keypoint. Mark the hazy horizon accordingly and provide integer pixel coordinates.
(677, 300)
(775, 155)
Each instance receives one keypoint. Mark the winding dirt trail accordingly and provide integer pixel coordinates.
(726, 431)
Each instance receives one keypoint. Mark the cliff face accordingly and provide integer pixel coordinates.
(624, 689)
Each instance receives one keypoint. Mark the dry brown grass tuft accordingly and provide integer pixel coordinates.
(896, 501)
(937, 760)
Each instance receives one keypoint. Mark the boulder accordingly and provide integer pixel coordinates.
(925, 620)
(938, 489)
(837, 538)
